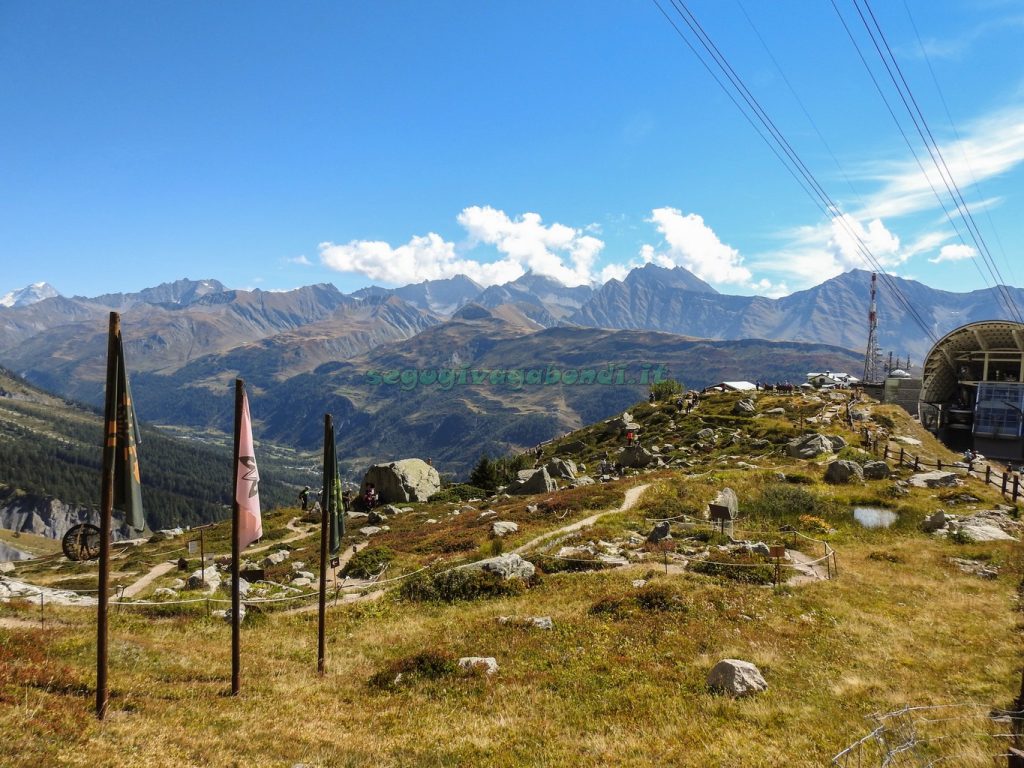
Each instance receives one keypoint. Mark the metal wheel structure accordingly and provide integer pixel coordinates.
(81, 542)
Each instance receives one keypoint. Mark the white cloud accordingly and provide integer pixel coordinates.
(955, 252)
(427, 257)
(553, 250)
(850, 238)
(694, 245)
(302, 261)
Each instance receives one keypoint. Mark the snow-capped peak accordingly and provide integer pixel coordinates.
(28, 295)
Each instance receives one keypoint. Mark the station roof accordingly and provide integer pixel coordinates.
(940, 372)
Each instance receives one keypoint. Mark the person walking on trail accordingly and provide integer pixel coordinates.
(630, 436)
(304, 498)
(346, 500)
(370, 497)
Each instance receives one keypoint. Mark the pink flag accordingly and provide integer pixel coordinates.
(247, 493)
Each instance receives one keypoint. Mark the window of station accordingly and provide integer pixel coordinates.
(970, 370)
(1004, 369)
(999, 410)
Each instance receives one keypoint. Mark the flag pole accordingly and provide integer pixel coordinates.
(106, 510)
(325, 513)
(235, 548)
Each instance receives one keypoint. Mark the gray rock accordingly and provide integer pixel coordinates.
(706, 434)
(486, 664)
(7, 567)
(876, 470)
(375, 517)
(736, 678)
(581, 481)
(538, 481)
(404, 481)
(488, 513)
(808, 446)
(195, 581)
(508, 566)
(276, 558)
(842, 472)
(301, 582)
(744, 407)
(636, 457)
(370, 530)
(775, 412)
(838, 442)
(563, 468)
(980, 530)
(164, 592)
(501, 528)
(542, 622)
(935, 480)
(934, 522)
(660, 532)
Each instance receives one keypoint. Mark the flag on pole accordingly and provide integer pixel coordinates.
(332, 493)
(127, 481)
(247, 492)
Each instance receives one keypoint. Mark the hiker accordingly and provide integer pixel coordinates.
(370, 498)
(630, 437)
(346, 500)
(304, 498)
(650, 397)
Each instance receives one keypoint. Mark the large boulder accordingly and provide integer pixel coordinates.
(841, 472)
(736, 678)
(809, 446)
(561, 468)
(635, 456)
(876, 470)
(744, 407)
(404, 481)
(532, 481)
(509, 566)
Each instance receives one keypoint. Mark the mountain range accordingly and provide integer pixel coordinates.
(314, 348)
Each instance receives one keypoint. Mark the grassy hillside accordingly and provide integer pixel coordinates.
(618, 680)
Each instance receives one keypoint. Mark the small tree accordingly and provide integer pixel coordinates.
(485, 474)
(667, 389)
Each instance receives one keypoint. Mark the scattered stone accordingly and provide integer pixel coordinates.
(178, 584)
(305, 575)
(906, 440)
(876, 470)
(489, 513)
(842, 472)
(775, 412)
(978, 529)
(503, 528)
(7, 567)
(537, 622)
(736, 678)
(404, 481)
(637, 583)
(303, 582)
(706, 434)
(210, 574)
(370, 530)
(164, 592)
(660, 532)
(486, 664)
(430, 521)
(581, 481)
(531, 508)
(375, 517)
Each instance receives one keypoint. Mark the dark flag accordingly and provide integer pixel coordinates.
(127, 482)
(332, 492)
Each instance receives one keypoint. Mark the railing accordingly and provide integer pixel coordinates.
(1008, 483)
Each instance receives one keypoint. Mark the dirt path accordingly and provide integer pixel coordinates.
(632, 497)
(155, 573)
(804, 569)
(342, 560)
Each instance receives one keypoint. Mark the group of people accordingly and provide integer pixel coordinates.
(309, 499)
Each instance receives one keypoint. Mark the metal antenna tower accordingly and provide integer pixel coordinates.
(872, 355)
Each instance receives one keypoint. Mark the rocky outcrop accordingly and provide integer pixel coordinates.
(636, 457)
(876, 470)
(404, 481)
(48, 516)
(814, 444)
(744, 407)
(506, 567)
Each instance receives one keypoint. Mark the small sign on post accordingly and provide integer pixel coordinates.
(777, 552)
(721, 514)
(193, 546)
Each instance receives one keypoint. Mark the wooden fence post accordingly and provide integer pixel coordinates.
(1016, 487)
(939, 464)
(901, 456)
(917, 463)
(1006, 479)
(988, 474)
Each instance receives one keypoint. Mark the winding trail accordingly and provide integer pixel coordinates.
(632, 497)
(154, 573)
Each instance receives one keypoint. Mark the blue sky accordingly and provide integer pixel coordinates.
(273, 145)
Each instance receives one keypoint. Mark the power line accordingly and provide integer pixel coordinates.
(792, 160)
(935, 153)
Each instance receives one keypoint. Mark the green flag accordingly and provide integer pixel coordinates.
(127, 481)
(332, 494)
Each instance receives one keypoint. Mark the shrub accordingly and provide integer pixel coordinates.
(885, 557)
(852, 453)
(425, 665)
(652, 598)
(458, 584)
(814, 524)
(368, 562)
(666, 389)
(584, 561)
(960, 536)
(786, 502)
